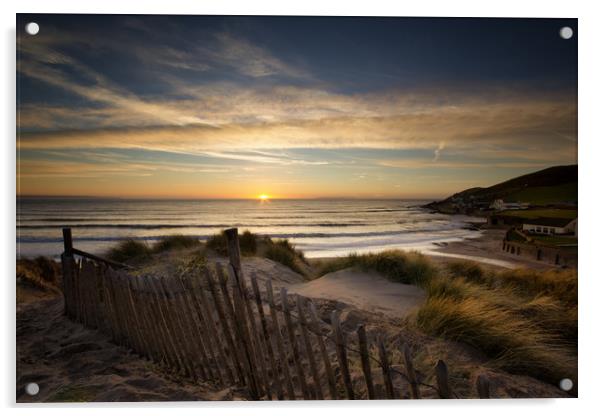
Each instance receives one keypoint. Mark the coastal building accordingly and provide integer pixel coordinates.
(551, 226)
(500, 205)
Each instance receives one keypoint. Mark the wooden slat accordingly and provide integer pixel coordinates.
(225, 350)
(266, 336)
(226, 325)
(442, 380)
(67, 264)
(364, 355)
(151, 337)
(212, 340)
(200, 335)
(196, 356)
(256, 345)
(242, 319)
(290, 390)
(169, 330)
(308, 347)
(386, 370)
(182, 339)
(292, 339)
(332, 386)
(341, 348)
(160, 324)
(411, 373)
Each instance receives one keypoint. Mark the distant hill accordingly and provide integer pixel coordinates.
(552, 186)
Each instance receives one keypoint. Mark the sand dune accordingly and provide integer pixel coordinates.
(365, 290)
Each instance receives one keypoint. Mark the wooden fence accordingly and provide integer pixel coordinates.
(211, 326)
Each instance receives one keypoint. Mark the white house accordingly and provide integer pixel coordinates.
(500, 205)
(551, 226)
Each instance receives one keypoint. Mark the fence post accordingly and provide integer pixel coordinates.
(442, 380)
(384, 364)
(342, 353)
(411, 373)
(67, 264)
(363, 343)
(233, 248)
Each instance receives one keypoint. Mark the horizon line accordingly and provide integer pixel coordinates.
(217, 198)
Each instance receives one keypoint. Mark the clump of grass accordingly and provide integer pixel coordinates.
(175, 242)
(218, 243)
(514, 342)
(41, 272)
(247, 241)
(283, 252)
(396, 265)
(128, 250)
(560, 285)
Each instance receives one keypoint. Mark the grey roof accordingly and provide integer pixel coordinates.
(550, 222)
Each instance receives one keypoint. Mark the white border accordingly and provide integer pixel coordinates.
(590, 149)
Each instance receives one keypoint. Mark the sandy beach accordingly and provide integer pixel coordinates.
(485, 249)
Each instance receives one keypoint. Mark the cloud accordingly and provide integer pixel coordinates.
(438, 151)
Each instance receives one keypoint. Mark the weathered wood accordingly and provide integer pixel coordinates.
(332, 385)
(67, 264)
(67, 242)
(161, 306)
(153, 342)
(268, 340)
(141, 346)
(182, 339)
(255, 345)
(386, 369)
(308, 348)
(411, 373)
(341, 348)
(214, 349)
(212, 316)
(483, 387)
(292, 338)
(442, 380)
(255, 341)
(236, 317)
(226, 320)
(171, 353)
(363, 344)
(279, 342)
(195, 337)
(233, 247)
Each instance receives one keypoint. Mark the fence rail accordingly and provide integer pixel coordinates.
(210, 326)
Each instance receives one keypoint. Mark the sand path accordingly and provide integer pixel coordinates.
(365, 290)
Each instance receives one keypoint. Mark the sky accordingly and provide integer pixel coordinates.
(290, 107)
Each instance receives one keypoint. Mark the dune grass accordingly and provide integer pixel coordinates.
(40, 272)
(283, 252)
(175, 242)
(396, 265)
(128, 250)
(247, 241)
(524, 320)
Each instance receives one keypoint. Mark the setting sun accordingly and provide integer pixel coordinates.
(264, 197)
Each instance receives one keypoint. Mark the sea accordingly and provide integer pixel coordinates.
(319, 227)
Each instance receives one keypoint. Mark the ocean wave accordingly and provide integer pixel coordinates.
(162, 226)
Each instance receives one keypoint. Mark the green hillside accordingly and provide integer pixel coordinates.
(555, 185)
